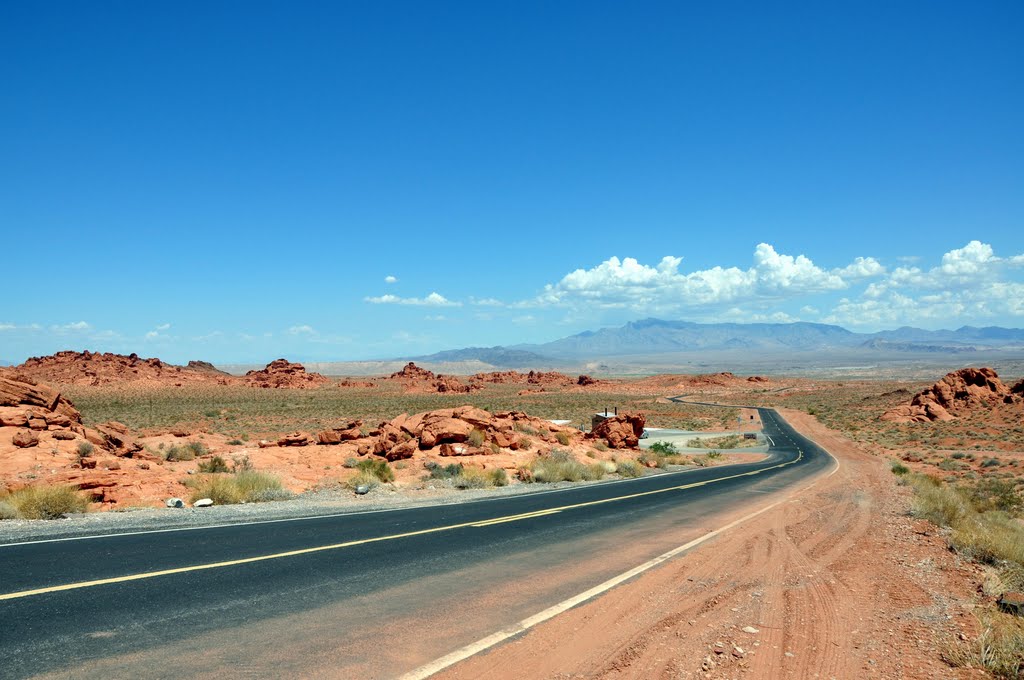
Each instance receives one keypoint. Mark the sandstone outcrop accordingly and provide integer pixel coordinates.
(957, 393)
(346, 433)
(461, 431)
(620, 432)
(282, 373)
(412, 372)
(95, 368)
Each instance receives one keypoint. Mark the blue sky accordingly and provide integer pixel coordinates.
(241, 181)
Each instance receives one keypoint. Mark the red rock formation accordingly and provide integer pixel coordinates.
(294, 439)
(957, 393)
(412, 372)
(94, 368)
(621, 432)
(450, 384)
(548, 378)
(282, 373)
(25, 438)
(471, 429)
(348, 382)
(346, 433)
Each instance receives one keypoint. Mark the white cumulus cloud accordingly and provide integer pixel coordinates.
(629, 283)
(390, 279)
(432, 300)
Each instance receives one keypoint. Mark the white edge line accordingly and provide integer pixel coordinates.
(475, 648)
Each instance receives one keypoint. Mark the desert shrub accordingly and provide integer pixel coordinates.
(652, 460)
(247, 486)
(713, 454)
(475, 478)
(477, 437)
(438, 471)
(995, 494)
(258, 487)
(215, 464)
(899, 468)
(939, 504)
(85, 449)
(991, 538)
(218, 488)
(363, 478)
(44, 501)
(958, 455)
(8, 511)
(630, 468)
(241, 463)
(351, 463)
(560, 466)
(188, 451)
(990, 462)
(663, 448)
(563, 438)
(378, 467)
(999, 648)
(235, 442)
(525, 444)
(601, 446)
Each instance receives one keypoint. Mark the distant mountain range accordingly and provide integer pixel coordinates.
(656, 336)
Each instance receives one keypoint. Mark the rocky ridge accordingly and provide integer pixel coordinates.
(282, 373)
(957, 394)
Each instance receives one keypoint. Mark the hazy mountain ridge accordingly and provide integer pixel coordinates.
(495, 356)
(657, 336)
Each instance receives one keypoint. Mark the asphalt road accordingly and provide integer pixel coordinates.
(66, 604)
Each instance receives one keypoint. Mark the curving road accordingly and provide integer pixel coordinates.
(314, 596)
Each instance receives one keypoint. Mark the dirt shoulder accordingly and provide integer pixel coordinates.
(838, 581)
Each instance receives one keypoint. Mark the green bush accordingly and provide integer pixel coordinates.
(378, 467)
(438, 471)
(189, 451)
(563, 438)
(477, 438)
(215, 464)
(663, 448)
(85, 449)
(44, 501)
(899, 469)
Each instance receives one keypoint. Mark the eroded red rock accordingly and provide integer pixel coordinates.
(620, 432)
(957, 393)
(282, 373)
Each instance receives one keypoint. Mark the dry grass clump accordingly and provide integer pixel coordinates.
(247, 486)
(370, 473)
(629, 468)
(187, 451)
(42, 501)
(560, 466)
(732, 441)
(462, 477)
(999, 648)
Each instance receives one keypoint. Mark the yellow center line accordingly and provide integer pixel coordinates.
(349, 544)
(516, 518)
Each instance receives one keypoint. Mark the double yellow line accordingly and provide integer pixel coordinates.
(391, 537)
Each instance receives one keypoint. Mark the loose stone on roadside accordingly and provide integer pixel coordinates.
(174, 503)
(203, 503)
